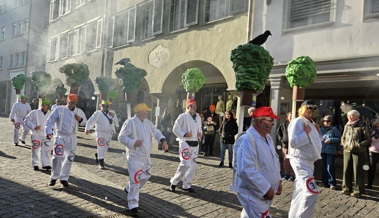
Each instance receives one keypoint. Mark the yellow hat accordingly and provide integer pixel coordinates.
(104, 102)
(141, 107)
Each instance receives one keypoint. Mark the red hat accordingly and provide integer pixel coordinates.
(264, 112)
(190, 101)
(72, 97)
(212, 107)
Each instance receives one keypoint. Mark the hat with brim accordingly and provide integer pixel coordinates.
(327, 118)
(24, 96)
(190, 102)
(309, 103)
(264, 112)
(106, 102)
(141, 107)
(46, 102)
(72, 97)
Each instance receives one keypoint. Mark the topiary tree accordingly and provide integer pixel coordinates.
(252, 65)
(76, 74)
(193, 80)
(104, 84)
(41, 82)
(18, 82)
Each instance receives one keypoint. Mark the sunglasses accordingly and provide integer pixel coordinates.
(105, 105)
(193, 106)
(312, 107)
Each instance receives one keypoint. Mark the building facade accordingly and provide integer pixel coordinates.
(23, 25)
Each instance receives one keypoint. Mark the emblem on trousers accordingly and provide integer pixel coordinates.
(101, 141)
(35, 144)
(186, 155)
(17, 125)
(311, 185)
(59, 150)
(137, 176)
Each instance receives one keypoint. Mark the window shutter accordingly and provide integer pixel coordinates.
(192, 12)
(132, 24)
(238, 6)
(306, 8)
(158, 16)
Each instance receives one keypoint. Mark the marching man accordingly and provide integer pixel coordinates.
(104, 122)
(18, 113)
(66, 118)
(41, 146)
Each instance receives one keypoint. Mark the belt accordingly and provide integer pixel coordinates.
(192, 143)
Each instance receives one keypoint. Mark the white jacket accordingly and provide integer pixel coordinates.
(19, 110)
(101, 122)
(185, 123)
(31, 120)
(65, 120)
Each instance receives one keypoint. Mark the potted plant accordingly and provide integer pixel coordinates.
(192, 79)
(18, 82)
(252, 65)
(104, 84)
(111, 95)
(300, 73)
(76, 74)
(60, 91)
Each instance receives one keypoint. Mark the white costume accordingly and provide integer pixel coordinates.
(41, 146)
(187, 154)
(257, 170)
(304, 151)
(65, 139)
(104, 128)
(115, 119)
(139, 164)
(54, 106)
(18, 113)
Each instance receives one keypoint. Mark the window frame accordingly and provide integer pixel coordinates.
(368, 10)
(2, 33)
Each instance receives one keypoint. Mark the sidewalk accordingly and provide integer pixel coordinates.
(99, 193)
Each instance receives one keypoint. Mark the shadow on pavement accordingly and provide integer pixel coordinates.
(2, 154)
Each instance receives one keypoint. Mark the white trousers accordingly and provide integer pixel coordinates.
(63, 156)
(254, 207)
(305, 191)
(187, 166)
(103, 140)
(19, 122)
(139, 172)
(41, 147)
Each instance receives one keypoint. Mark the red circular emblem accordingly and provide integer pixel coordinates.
(17, 125)
(311, 185)
(137, 176)
(59, 150)
(186, 155)
(36, 144)
(101, 141)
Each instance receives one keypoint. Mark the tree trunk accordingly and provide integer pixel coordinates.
(191, 95)
(18, 91)
(298, 94)
(247, 97)
(74, 89)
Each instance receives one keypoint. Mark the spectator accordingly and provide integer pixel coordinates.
(247, 119)
(355, 140)
(282, 134)
(34, 104)
(166, 126)
(331, 138)
(209, 129)
(373, 153)
(228, 130)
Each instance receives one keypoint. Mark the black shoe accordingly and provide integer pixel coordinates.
(35, 168)
(172, 187)
(126, 191)
(133, 211)
(221, 164)
(189, 190)
(230, 165)
(15, 144)
(205, 154)
(97, 160)
(23, 142)
(369, 186)
(47, 168)
(64, 183)
(52, 182)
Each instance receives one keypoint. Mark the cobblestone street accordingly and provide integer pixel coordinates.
(99, 193)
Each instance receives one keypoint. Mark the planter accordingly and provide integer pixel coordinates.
(18, 91)
(191, 95)
(74, 89)
(247, 97)
(298, 94)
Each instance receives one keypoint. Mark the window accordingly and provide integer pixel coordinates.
(14, 27)
(79, 2)
(158, 16)
(308, 12)
(91, 36)
(99, 33)
(65, 7)
(17, 59)
(124, 27)
(54, 9)
(54, 49)
(63, 45)
(25, 26)
(22, 58)
(371, 9)
(1, 62)
(131, 33)
(3, 7)
(78, 41)
(217, 9)
(11, 60)
(183, 13)
(2, 33)
(145, 20)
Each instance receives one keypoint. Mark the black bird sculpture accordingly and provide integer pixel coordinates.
(259, 40)
(123, 61)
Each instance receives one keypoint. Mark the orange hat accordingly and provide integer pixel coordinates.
(264, 112)
(72, 97)
(190, 101)
(212, 107)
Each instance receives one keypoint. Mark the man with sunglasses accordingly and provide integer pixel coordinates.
(257, 166)
(304, 149)
(104, 129)
(187, 128)
(66, 120)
